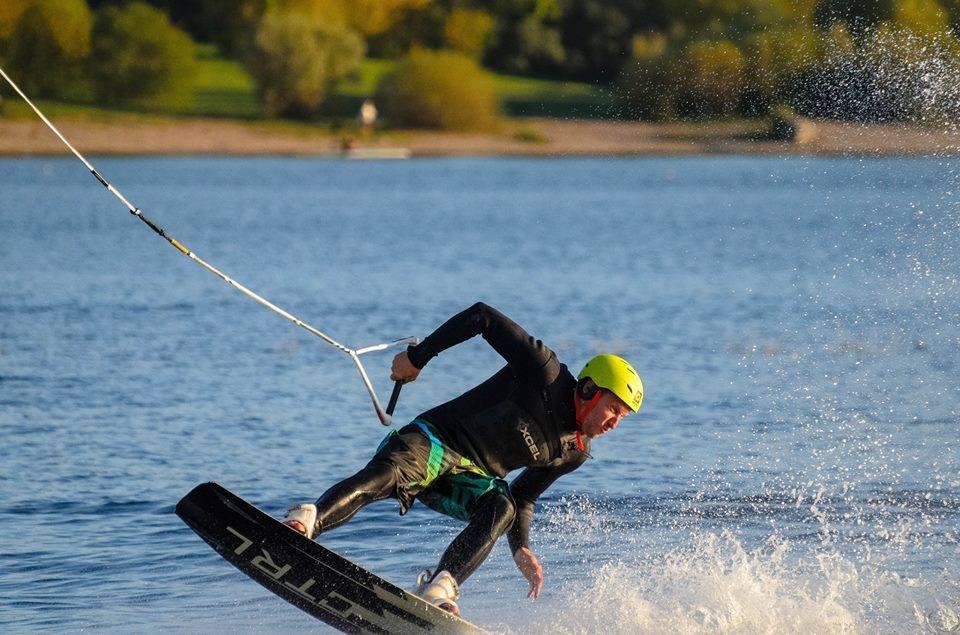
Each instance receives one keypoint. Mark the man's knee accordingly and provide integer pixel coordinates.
(501, 509)
(377, 476)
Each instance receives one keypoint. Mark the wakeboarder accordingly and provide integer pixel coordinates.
(532, 414)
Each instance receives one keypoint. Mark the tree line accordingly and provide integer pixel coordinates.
(853, 59)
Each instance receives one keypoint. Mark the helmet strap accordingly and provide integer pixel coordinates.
(580, 410)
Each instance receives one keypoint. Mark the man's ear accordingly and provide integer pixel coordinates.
(586, 388)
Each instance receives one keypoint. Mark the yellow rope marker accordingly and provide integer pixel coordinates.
(183, 250)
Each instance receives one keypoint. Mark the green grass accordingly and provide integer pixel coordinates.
(365, 83)
(16, 108)
(526, 96)
(224, 88)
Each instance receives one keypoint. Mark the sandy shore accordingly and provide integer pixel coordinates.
(533, 137)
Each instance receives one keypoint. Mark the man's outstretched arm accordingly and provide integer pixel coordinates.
(526, 489)
(529, 357)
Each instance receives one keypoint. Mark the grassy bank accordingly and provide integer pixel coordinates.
(224, 89)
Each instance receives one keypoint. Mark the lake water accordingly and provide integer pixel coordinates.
(795, 467)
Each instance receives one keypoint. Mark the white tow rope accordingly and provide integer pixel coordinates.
(384, 415)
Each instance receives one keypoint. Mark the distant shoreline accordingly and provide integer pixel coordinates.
(519, 137)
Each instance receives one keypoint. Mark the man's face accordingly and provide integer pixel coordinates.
(605, 416)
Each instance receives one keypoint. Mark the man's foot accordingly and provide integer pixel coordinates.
(302, 519)
(441, 590)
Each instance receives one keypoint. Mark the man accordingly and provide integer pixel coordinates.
(531, 414)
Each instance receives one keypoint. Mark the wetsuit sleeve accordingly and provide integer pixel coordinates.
(526, 489)
(528, 357)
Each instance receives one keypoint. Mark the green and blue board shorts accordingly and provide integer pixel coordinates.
(432, 473)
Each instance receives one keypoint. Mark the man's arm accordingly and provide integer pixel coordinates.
(529, 357)
(526, 489)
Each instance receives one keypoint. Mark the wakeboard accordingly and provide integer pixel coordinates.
(306, 574)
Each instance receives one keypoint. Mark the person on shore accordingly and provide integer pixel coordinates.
(531, 414)
(367, 117)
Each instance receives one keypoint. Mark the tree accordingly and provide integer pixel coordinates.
(294, 62)
(49, 44)
(596, 38)
(859, 16)
(526, 38)
(10, 12)
(139, 58)
(921, 16)
(416, 26)
(644, 88)
(229, 24)
(775, 61)
(366, 17)
(468, 31)
(953, 14)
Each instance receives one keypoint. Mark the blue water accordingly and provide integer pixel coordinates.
(795, 467)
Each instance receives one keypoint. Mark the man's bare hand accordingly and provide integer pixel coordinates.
(402, 369)
(530, 568)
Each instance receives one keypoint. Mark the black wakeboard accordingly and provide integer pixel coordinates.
(306, 574)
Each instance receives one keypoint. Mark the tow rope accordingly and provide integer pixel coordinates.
(384, 415)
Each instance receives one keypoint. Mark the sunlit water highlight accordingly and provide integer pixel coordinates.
(795, 468)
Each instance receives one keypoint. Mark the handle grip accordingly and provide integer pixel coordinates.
(393, 397)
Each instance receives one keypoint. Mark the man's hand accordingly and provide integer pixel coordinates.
(530, 568)
(402, 369)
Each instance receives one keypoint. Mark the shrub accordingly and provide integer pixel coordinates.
(295, 61)
(141, 59)
(711, 78)
(439, 89)
(48, 46)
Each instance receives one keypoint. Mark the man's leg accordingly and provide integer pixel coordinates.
(399, 464)
(490, 519)
(339, 503)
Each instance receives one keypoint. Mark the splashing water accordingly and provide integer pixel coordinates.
(716, 584)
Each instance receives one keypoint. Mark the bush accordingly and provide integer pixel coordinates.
(295, 61)
(141, 59)
(711, 77)
(439, 89)
(49, 44)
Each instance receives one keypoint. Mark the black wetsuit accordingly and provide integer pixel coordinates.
(521, 417)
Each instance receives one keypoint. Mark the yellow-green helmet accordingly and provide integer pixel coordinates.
(616, 375)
